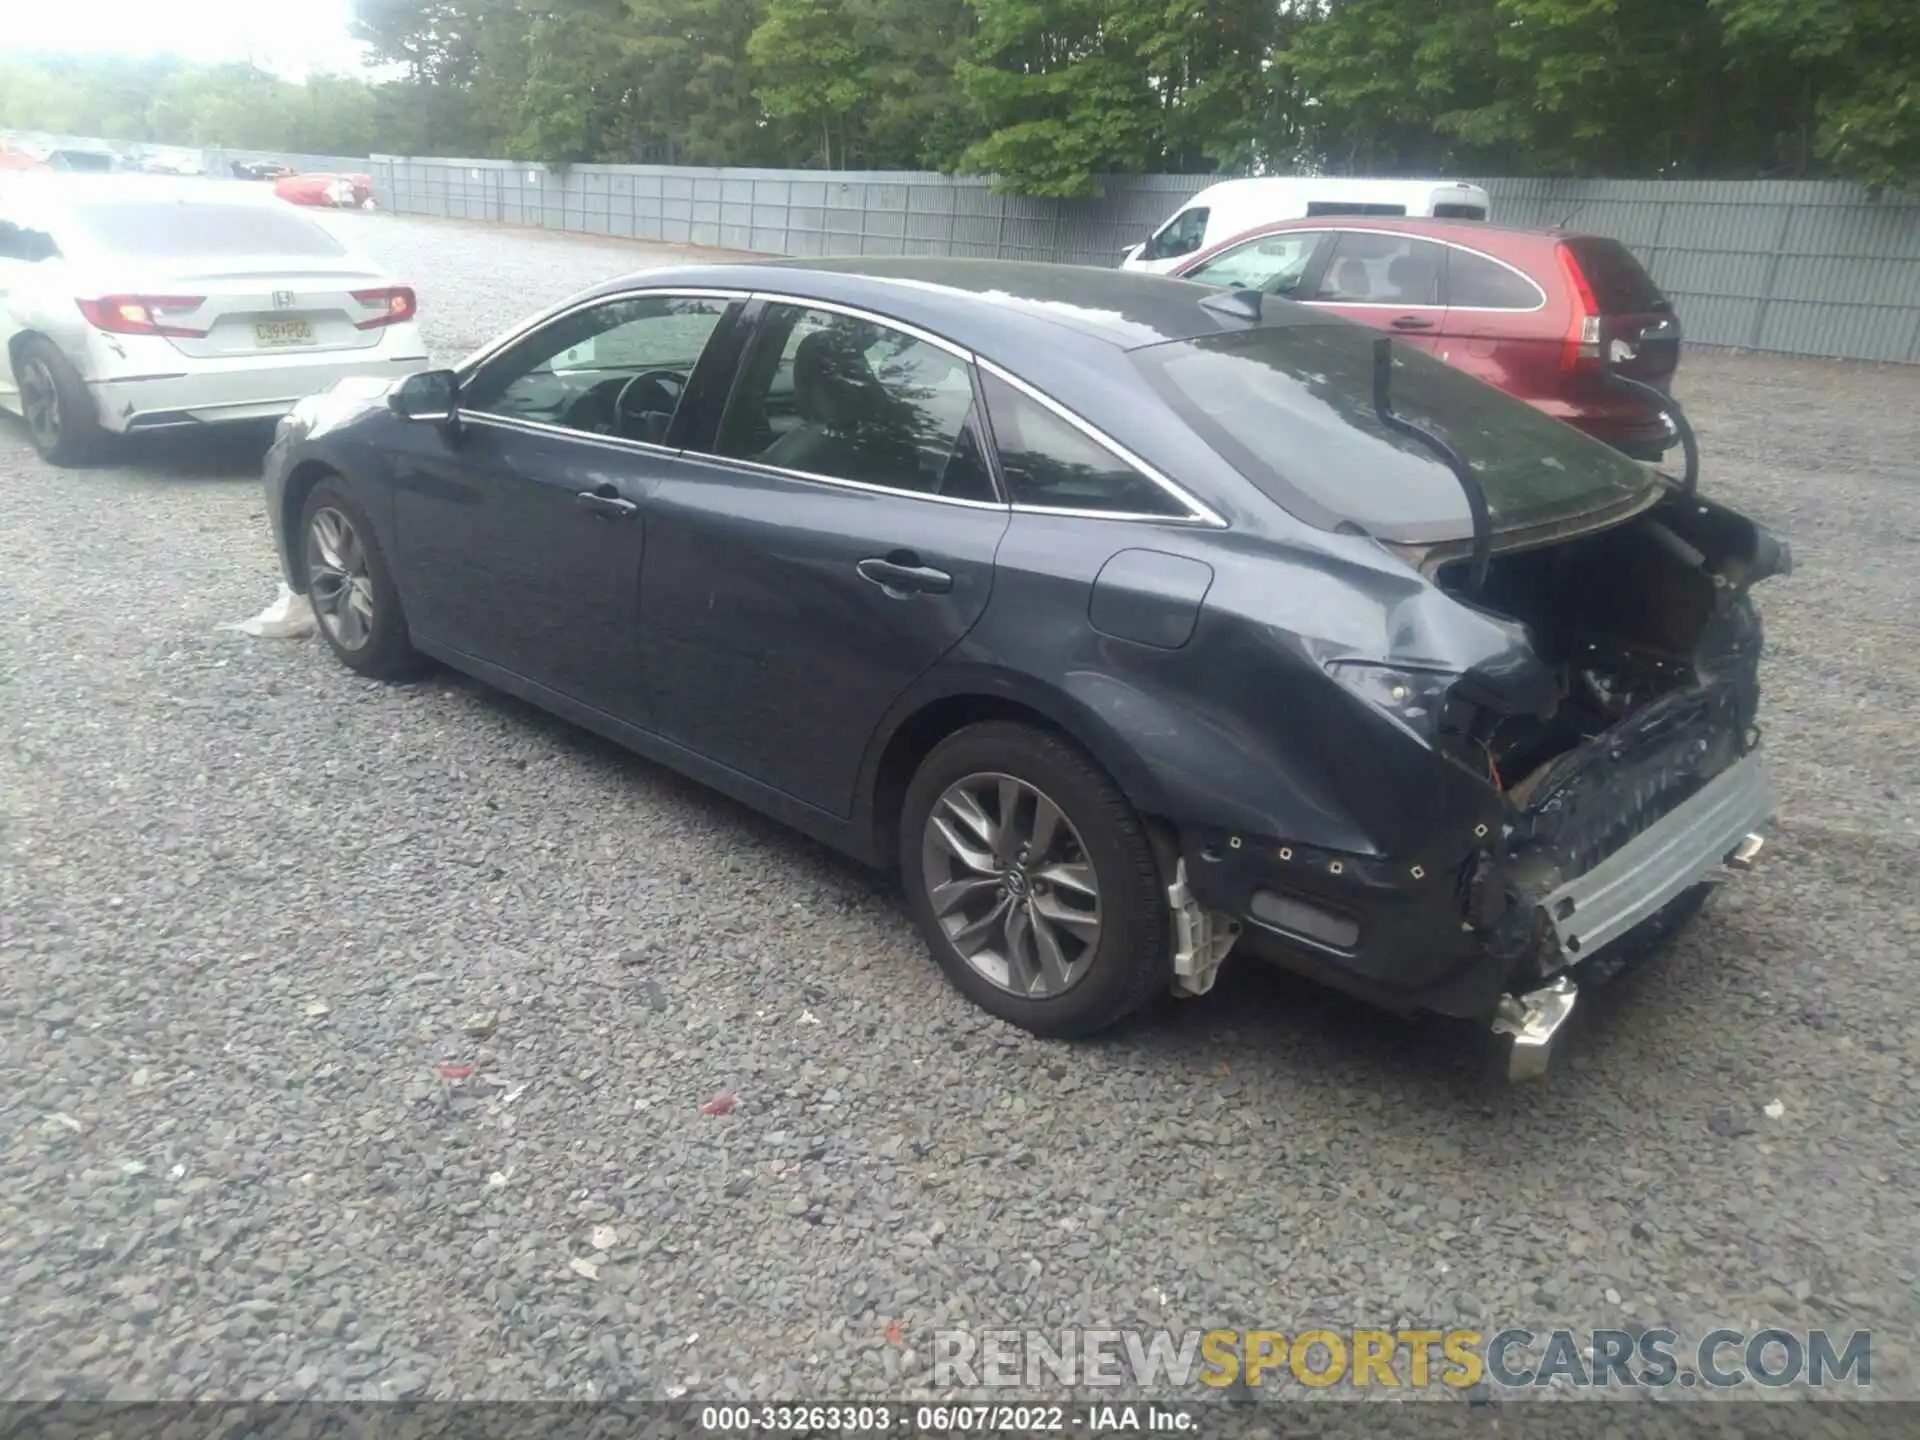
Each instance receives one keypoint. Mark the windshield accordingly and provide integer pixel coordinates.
(1291, 408)
(181, 229)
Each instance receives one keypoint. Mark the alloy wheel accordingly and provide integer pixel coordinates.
(337, 579)
(40, 403)
(1011, 885)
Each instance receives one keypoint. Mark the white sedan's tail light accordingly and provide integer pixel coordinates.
(395, 304)
(142, 314)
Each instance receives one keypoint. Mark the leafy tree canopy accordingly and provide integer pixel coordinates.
(1052, 94)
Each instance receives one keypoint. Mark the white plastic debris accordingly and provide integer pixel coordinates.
(605, 1237)
(289, 617)
(1773, 1110)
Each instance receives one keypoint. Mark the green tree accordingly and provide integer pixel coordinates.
(1856, 78)
(811, 62)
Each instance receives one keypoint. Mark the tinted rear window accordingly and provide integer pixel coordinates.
(1291, 407)
(1619, 282)
(176, 229)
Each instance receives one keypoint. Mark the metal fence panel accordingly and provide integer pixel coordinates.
(1794, 267)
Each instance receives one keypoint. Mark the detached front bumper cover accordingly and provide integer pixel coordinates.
(1671, 856)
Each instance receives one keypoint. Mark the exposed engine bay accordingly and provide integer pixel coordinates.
(1648, 646)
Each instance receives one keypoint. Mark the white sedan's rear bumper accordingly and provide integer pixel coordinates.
(157, 388)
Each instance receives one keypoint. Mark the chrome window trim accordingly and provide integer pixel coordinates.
(539, 322)
(702, 457)
(856, 312)
(563, 432)
(1198, 513)
(1537, 288)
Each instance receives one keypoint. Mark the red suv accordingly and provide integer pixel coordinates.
(1526, 310)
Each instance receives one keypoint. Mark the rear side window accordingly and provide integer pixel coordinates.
(845, 398)
(20, 242)
(1372, 267)
(1619, 282)
(1051, 464)
(178, 229)
(1476, 283)
(1181, 235)
(1351, 207)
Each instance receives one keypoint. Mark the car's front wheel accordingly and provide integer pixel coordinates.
(351, 588)
(62, 422)
(1033, 880)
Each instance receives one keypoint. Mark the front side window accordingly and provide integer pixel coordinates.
(1181, 235)
(1274, 264)
(616, 369)
(1373, 267)
(1051, 464)
(851, 399)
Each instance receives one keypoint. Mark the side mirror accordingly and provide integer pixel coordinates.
(431, 395)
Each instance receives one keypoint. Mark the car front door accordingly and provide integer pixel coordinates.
(521, 537)
(1387, 280)
(836, 543)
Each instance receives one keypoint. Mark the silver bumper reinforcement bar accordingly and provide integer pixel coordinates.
(1657, 864)
(1715, 828)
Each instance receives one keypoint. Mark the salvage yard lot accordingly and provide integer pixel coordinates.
(252, 908)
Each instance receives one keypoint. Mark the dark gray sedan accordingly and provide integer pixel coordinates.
(1136, 622)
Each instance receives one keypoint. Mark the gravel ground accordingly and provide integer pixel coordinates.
(251, 905)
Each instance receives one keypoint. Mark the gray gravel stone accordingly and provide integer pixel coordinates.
(203, 835)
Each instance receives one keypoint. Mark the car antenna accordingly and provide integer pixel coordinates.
(1463, 472)
(1670, 407)
(1240, 304)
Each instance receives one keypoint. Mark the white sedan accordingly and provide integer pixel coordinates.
(131, 304)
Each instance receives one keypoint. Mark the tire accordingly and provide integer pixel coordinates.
(62, 421)
(359, 614)
(1112, 966)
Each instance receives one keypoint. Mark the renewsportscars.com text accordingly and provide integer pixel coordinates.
(1515, 1359)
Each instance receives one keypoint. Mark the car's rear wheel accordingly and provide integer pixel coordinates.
(1033, 880)
(62, 422)
(351, 588)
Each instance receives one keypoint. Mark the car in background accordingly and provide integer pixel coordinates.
(1235, 206)
(260, 170)
(334, 192)
(1135, 622)
(131, 304)
(78, 160)
(170, 160)
(1531, 311)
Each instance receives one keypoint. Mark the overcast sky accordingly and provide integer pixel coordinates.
(290, 37)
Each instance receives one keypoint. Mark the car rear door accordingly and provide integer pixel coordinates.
(836, 542)
(1501, 326)
(1387, 280)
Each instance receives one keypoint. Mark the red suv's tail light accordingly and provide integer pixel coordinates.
(142, 314)
(395, 304)
(1582, 348)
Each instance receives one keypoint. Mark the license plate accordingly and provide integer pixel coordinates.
(273, 333)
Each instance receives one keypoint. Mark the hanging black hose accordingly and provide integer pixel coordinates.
(1462, 472)
(1670, 407)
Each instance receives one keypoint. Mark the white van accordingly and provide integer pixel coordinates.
(1222, 211)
